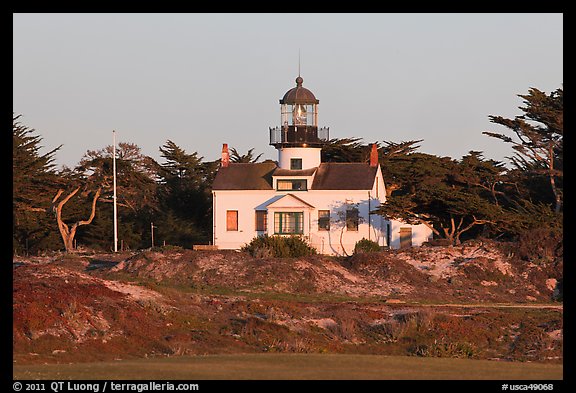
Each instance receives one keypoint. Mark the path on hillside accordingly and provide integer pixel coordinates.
(483, 305)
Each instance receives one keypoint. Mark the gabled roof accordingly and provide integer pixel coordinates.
(328, 176)
(245, 176)
(344, 176)
(289, 201)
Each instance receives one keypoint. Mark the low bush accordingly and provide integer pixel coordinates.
(170, 247)
(444, 350)
(279, 247)
(365, 246)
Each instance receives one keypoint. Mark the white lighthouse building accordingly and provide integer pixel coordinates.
(328, 204)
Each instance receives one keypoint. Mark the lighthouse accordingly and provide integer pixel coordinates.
(328, 204)
(298, 140)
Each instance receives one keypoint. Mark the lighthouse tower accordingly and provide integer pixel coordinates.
(298, 140)
(329, 204)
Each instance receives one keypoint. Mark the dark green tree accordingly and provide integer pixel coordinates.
(345, 150)
(539, 141)
(489, 176)
(136, 190)
(34, 182)
(395, 160)
(392, 156)
(180, 167)
(433, 193)
(185, 196)
(246, 158)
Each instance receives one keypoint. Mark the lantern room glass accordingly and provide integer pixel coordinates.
(299, 114)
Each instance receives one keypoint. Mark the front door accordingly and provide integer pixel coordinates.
(405, 237)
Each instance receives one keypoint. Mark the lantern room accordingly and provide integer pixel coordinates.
(299, 106)
(299, 119)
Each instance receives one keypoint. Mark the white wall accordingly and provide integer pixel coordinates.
(310, 156)
(245, 202)
(420, 233)
(330, 242)
(327, 242)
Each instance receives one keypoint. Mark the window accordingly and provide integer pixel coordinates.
(323, 220)
(231, 220)
(352, 219)
(295, 163)
(292, 185)
(261, 220)
(289, 223)
(298, 114)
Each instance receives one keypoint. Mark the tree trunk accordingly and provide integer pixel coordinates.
(449, 235)
(449, 232)
(553, 181)
(342, 244)
(474, 222)
(493, 189)
(67, 232)
(69, 243)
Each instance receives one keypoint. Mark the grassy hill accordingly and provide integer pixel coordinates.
(469, 302)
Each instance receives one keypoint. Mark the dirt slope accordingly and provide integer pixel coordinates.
(104, 307)
(474, 272)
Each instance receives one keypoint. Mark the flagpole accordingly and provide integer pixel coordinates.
(115, 210)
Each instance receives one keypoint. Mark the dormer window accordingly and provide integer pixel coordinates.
(292, 185)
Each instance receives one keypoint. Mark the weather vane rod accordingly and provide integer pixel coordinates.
(298, 61)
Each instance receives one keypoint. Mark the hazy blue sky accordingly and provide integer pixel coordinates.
(201, 80)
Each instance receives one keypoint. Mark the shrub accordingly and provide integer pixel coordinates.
(558, 294)
(170, 247)
(444, 349)
(540, 245)
(365, 245)
(278, 246)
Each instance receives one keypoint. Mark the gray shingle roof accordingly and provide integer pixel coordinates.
(245, 176)
(344, 176)
(294, 172)
(329, 176)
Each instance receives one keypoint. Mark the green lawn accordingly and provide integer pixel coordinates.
(293, 366)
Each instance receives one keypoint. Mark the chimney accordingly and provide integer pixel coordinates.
(374, 155)
(225, 156)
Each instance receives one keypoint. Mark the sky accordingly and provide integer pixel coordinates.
(201, 80)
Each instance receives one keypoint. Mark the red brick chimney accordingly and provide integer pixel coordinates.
(225, 156)
(374, 155)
